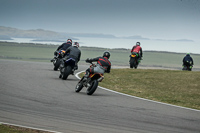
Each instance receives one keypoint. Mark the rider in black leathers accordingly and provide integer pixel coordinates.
(72, 52)
(64, 47)
(187, 60)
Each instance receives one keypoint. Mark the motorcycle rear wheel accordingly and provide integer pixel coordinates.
(132, 62)
(66, 73)
(93, 87)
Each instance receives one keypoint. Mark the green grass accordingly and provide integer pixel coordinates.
(169, 86)
(14, 129)
(26, 51)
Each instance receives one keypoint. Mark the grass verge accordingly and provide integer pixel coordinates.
(4, 128)
(176, 87)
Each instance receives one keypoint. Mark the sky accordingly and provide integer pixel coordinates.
(153, 19)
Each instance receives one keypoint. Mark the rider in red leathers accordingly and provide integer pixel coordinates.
(137, 49)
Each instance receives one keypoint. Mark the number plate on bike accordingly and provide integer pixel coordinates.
(133, 55)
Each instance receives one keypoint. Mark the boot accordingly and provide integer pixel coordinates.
(52, 59)
(72, 72)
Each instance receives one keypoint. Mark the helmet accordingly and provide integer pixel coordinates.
(76, 44)
(69, 41)
(188, 54)
(106, 54)
(138, 43)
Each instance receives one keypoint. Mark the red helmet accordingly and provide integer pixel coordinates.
(76, 44)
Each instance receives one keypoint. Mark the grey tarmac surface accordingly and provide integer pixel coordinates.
(31, 94)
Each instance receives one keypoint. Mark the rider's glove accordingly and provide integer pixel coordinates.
(88, 60)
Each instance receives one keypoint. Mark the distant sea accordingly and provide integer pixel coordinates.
(147, 45)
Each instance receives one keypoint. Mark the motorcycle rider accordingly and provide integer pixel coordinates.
(137, 49)
(187, 60)
(63, 46)
(103, 65)
(72, 52)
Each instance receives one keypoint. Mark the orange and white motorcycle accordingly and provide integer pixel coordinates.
(91, 83)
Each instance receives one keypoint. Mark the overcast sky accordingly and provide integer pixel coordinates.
(154, 19)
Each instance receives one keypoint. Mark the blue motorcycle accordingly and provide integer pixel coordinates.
(67, 68)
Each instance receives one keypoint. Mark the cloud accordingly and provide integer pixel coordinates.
(178, 40)
(136, 37)
(184, 40)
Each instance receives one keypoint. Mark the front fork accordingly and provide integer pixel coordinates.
(86, 82)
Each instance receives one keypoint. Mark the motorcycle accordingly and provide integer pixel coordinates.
(67, 68)
(134, 61)
(91, 83)
(57, 59)
(187, 66)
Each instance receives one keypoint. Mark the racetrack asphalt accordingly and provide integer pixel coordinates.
(32, 95)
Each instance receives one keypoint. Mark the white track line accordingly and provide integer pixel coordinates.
(139, 97)
(29, 127)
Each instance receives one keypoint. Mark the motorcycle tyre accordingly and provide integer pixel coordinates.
(79, 87)
(66, 73)
(185, 68)
(131, 62)
(56, 65)
(135, 64)
(93, 87)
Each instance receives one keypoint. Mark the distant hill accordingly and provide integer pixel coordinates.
(46, 35)
(40, 34)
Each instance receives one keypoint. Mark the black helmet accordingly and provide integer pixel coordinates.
(138, 43)
(106, 54)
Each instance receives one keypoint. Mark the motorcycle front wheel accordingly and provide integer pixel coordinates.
(56, 64)
(79, 87)
(93, 87)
